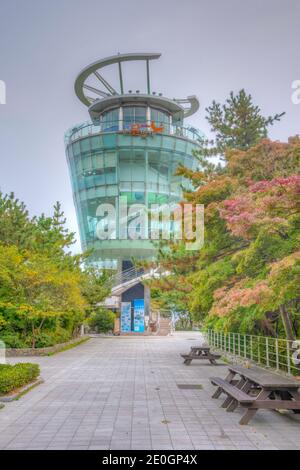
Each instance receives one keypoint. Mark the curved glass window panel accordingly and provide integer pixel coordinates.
(92, 226)
(109, 140)
(91, 193)
(164, 169)
(95, 142)
(81, 184)
(98, 177)
(152, 186)
(70, 151)
(95, 179)
(181, 145)
(110, 121)
(98, 160)
(177, 159)
(163, 188)
(100, 140)
(155, 198)
(163, 177)
(85, 146)
(138, 196)
(92, 219)
(105, 263)
(132, 166)
(110, 175)
(82, 195)
(110, 159)
(87, 164)
(188, 161)
(128, 117)
(125, 186)
(112, 190)
(166, 157)
(169, 142)
(136, 141)
(72, 169)
(76, 149)
(124, 140)
(125, 173)
(151, 198)
(100, 191)
(138, 186)
(140, 114)
(190, 147)
(133, 114)
(138, 165)
(134, 197)
(160, 118)
(153, 166)
(79, 166)
(175, 189)
(157, 141)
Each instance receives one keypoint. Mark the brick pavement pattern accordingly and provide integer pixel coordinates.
(122, 393)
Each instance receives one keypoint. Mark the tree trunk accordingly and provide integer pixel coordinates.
(286, 320)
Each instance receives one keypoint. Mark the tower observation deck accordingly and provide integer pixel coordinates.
(130, 148)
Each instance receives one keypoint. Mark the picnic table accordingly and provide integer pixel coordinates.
(256, 388)
(200, 352)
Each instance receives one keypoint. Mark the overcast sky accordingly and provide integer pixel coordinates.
(209, 47)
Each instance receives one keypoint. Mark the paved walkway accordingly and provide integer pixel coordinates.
(122, 393)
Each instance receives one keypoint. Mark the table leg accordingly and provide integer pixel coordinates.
(219, 390)
(296, 396)
(217, 393)
(247, 416)
(211, 359)
(187, 361)
(226, 402)
(247, 385)
(251, 411)
(230, 376)
(233, 404)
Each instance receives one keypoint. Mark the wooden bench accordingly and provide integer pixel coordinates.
(256, 389)
(198, 352)
(232, 390)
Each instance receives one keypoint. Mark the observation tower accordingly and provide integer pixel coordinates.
(129, 149)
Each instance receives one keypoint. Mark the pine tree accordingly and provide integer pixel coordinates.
(237, 124)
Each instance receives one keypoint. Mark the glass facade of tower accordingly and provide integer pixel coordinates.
(107, 161)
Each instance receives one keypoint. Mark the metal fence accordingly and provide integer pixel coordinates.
(276, 353)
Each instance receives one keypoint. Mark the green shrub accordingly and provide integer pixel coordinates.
(43, 340)
(12, 340)
(15, 376)
(102, 320)
(60, 335)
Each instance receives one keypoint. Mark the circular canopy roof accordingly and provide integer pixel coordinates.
(98, 99)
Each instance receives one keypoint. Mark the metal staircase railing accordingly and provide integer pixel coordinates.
(125, 276)
(158, 315)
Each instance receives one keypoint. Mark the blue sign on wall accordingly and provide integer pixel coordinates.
(139, 315)
(126, 317)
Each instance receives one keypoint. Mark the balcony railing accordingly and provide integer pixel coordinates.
(133, 128)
